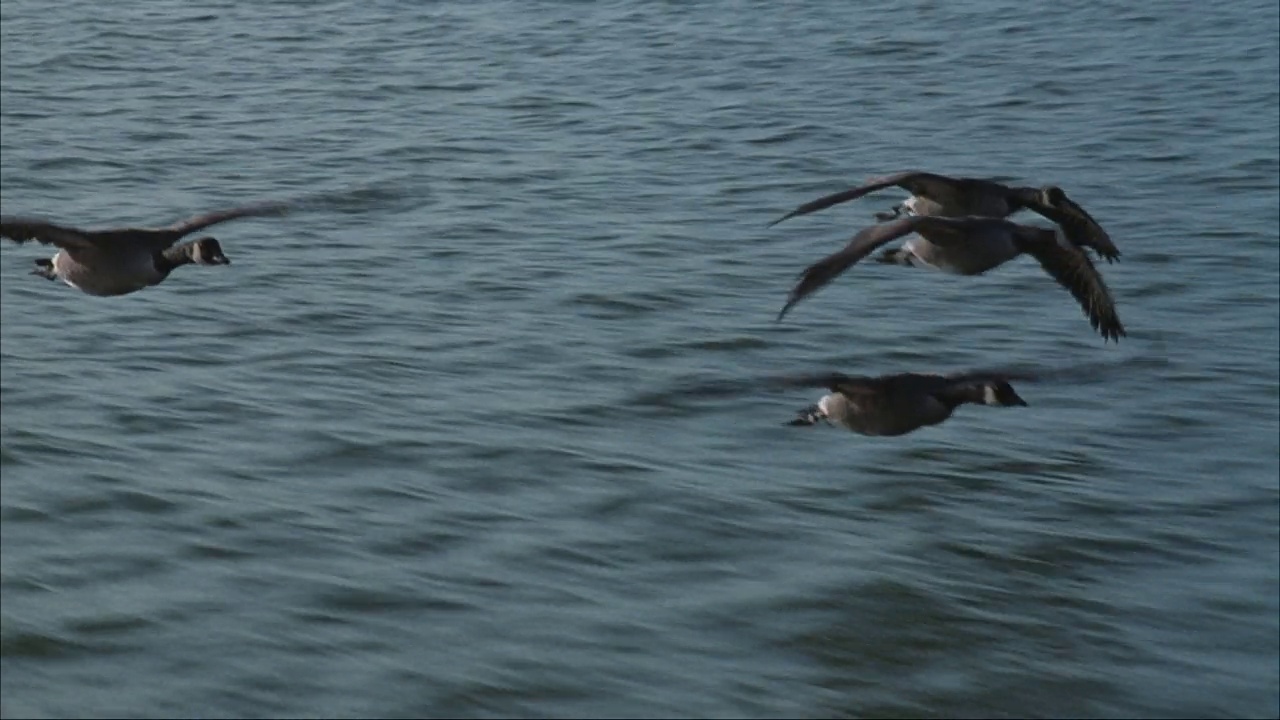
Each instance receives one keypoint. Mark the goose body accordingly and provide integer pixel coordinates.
(105, 274)
(940, 195)
(120, 261)
(972, 246)
(898, 404)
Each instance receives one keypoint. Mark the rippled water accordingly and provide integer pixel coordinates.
(449, 442)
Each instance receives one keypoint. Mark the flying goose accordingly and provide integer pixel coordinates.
(934, 194)
(119, 261)
(972, 246)
(904, 402)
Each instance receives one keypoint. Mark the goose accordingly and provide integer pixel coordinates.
(119, 261)
(934, 194)
(972, 246)
(901, 403)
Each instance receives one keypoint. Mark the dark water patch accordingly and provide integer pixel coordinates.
(108, 625)
(917, 50)
(158, 136)
(34, 645)
(217, 551)
(143, 502)
(63, 164)
(417, 543)
(361, 600)
(623, 305)
(884, 625)
(510, 691)
(334, 453)
(16, 513)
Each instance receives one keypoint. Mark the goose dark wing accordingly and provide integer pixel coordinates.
(915, 181)
(25, 229)
(199, 222)
(864, 243)
(160, 238)
(946, 231)
(1074, 271)
(1079, 226)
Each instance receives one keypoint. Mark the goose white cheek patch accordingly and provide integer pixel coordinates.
(825, 405)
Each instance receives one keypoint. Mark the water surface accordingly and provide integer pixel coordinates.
(442, 443)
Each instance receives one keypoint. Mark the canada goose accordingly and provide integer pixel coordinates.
(122, 260)
(934, 194)
(972, 246)
(904, 402)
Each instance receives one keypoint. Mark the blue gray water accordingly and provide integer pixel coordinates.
(444, 442)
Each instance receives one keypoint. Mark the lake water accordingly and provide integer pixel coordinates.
(451, 440)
